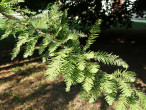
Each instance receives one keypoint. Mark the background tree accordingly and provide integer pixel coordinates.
(34, 5)
(139, 7)
(87, 12)
(113, 14)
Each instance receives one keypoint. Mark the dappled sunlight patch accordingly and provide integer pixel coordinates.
(34, 91)
(120, 40)
(140, 85)
(5, 97)
(123, 41)
(39, 75)
(139, 81)
(30, 79)
(6, 86)
(28, 85)
(21, 72)
(21, 91)
(29, 89)
(133, 42)
(26, 106)
(77, 103)
(16, 86)
(6, 73)
(34, 67)
(19, 62)
(17, 68)
(28, 97)
(83, 104)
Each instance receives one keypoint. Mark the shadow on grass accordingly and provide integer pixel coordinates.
(26, 90)
(47, 97)
(20, 62)
(130, 45)
(23, 73)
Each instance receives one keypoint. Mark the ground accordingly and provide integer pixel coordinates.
(23, 85)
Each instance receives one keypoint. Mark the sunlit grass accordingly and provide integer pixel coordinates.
(28, 88)
(15, 69)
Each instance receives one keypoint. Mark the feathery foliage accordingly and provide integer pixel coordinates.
(61, 46)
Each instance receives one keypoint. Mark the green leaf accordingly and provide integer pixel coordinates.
(68, 85)
(80, 77)
(94, 69)
(54, 46)
(88, 84)
(82, 65)
(7, 33)
(46, 41)
(110, 59)
(89, 55)
(94, 34)
(54, 68)
(91, 100)
(22, 39)
(30, 47)
(109, 99)
(125, 88)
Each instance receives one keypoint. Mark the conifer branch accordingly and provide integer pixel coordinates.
(61, 47)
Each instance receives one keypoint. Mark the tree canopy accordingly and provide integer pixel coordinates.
(88, 11)
(139, 7)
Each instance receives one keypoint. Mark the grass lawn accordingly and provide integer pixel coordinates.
(24, 87)
(141, 18)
